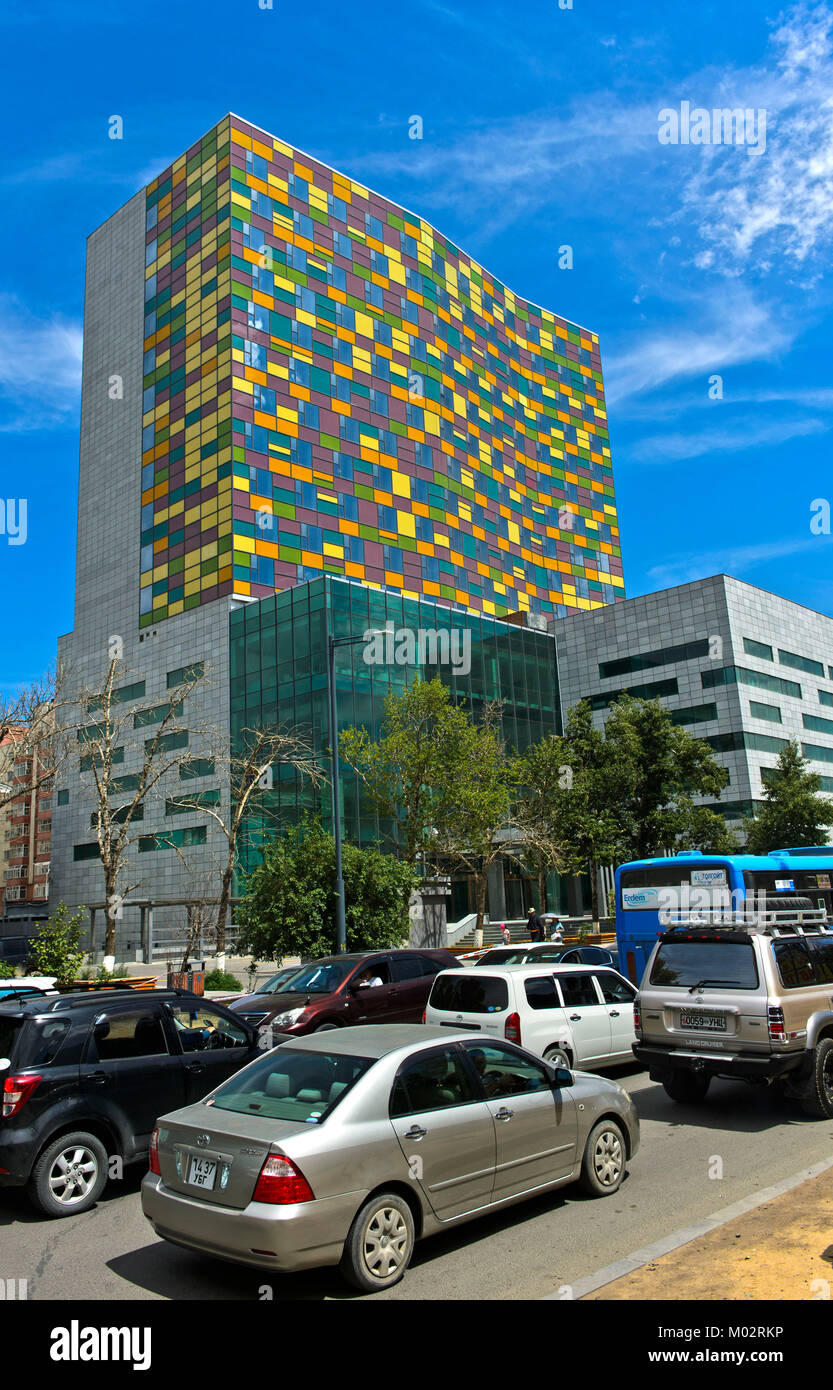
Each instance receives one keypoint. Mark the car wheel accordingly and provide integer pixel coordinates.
(819, 1100)
(603, 1165)
(325, 1027)
(379, 1247)
(686, 1087)
(559, 1057)
(69, 1175)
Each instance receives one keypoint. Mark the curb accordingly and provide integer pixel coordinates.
(639, 1258)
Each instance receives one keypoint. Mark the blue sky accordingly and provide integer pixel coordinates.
(540, 130)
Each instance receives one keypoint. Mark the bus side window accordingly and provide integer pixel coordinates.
(631, 964)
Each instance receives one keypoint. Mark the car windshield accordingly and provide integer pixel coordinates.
(275, 981)
(506, 957)
(291, 1084)
(322, 977)
(720, 964)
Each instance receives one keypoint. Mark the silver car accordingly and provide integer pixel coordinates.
(345, 1147)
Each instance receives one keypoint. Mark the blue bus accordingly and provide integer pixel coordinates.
(805, 871)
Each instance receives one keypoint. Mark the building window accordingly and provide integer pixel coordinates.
(761, 711)
(652, 691)
(63, 797)
(741, 675)
(87, 851)
(156, 714)
(759, 649)
(172, 839)
(817, 724)
(800, 663)
(120, 696)
(168, 742)
(195, 767)
(184, 675)
(194, 801)
(663, 656)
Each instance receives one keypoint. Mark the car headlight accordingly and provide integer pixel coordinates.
(284, 1020)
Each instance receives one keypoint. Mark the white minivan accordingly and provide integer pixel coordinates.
(573, 1015)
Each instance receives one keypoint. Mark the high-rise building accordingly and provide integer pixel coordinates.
(287, 377)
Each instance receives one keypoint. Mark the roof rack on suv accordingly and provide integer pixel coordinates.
(798, 918)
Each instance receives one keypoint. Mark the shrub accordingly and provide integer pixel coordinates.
(55, 949)
(220, 979)
(6, 971)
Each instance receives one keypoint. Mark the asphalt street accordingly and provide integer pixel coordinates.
(694, 1161)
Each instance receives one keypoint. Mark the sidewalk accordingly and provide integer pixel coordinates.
(781, 1250)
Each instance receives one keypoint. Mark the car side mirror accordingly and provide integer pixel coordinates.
(563, 1077)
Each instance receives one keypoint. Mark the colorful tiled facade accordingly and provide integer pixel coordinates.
(331, 387)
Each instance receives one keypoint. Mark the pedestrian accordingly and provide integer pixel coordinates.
(534, 925)
(505, 933)
(557, 933)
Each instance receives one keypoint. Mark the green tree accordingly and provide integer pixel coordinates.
(665, 769)
(793, 813)
(474, 815)
(589, 803)
(289, 908)
(409, 771)
(541, 776)
(56, 949)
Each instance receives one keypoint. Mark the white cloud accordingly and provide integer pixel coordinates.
(733, 328)
(40, 369)
(747, 433)
(735, 560)
(780, 203)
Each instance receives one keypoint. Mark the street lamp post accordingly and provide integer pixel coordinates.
(335, 778)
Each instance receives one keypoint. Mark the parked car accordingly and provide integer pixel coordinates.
(85, 1075)
(335, 992)
(571, 1015)
(531, 954)
(733, 1002)
(345, 1150)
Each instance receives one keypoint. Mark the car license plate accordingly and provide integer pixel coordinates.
(715, 1023)
(202, 1172)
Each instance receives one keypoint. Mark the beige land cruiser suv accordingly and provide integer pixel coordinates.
(749, 998)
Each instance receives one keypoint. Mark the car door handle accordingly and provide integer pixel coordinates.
(98, 1078)
(575, 1017)
(415, 1132)
(194, 1066)
(504, 1114)
(614, 1013)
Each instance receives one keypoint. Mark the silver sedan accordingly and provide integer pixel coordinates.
(345, 1147)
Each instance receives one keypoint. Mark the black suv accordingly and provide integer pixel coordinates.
(85, 1075)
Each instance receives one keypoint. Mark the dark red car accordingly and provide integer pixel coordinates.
(336, 991)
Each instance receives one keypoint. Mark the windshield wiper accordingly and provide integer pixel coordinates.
(700, 984)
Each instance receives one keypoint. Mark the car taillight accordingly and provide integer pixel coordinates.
(776, 1023)
(637, 1019)
(16, 1092)
(512, 1030)
(153, 1154)
(281, 1183)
